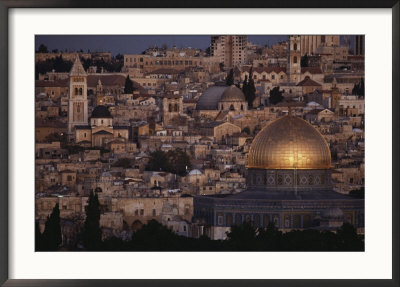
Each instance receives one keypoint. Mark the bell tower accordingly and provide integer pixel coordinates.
(293, 69)
(77, 98)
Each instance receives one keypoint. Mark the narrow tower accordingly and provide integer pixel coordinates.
(293, 69)
(77, 99)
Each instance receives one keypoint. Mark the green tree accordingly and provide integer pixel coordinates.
(246, 130)
(51, 238)
(242, 237)
(43, 49)
(304, 61)
(359, 193)
(275, 96)
(158, 161)
(38, 237)
(178, 161)
(230, 78)
(123, 162)
(92, 230)
(348, 239)
(249, 89)
(128, 86)
(359, 89)
(270, 237)
(174, 161)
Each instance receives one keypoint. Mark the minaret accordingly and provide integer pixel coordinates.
(77, 99)
(293, 69)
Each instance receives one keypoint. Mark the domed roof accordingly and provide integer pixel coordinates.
(210, 98)
(195, 172)
(233, 94)
(288, 143)
(101, 112)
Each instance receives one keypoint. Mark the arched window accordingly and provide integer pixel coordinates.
(295, 47)
(229, 220)
(238, 219)
(169, 108)
(176, 108)
(256, 220)
(80, 91)
(232, 108)
(241, 107)
(266, 220)
(222, 107)
(295, 59)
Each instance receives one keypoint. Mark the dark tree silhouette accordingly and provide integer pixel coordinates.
(51, 238)
(174, 161)
(128, 86)
(43, 49)
(275, 96)
(92, 230)
(359, 89)
(230, 79)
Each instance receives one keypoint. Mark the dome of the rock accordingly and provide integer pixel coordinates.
(289, 143)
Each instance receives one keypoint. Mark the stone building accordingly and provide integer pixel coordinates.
(101, 130)
(231, 50)
(288, 183)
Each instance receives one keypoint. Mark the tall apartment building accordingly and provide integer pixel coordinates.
(310, 43)
(359, 44)
(230, 49)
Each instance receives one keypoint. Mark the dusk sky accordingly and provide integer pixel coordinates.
(125, 44)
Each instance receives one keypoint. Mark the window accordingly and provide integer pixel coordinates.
(220, 220)
(142, 212)
(136, 212)
(69, 178)
(295, 59)
(154, 212)
(184, 228)
(295, 47)
(266, 220)
(273, 77)
(287, 221)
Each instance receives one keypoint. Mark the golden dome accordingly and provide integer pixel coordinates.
(288, 143)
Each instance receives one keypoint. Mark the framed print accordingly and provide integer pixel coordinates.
(159, 144)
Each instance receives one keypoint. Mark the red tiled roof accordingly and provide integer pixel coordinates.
(312, 70)
(307, 82)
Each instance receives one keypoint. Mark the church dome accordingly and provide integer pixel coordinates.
(233, 94)
(288, 143)
(101, 112)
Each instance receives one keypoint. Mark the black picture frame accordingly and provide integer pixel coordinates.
(5, 5)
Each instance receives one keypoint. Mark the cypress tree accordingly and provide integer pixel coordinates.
(38, 237)
(128, 86)
(245, 86)
(251, 89)
(51, 238)
(230, 78)
(92, 230)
